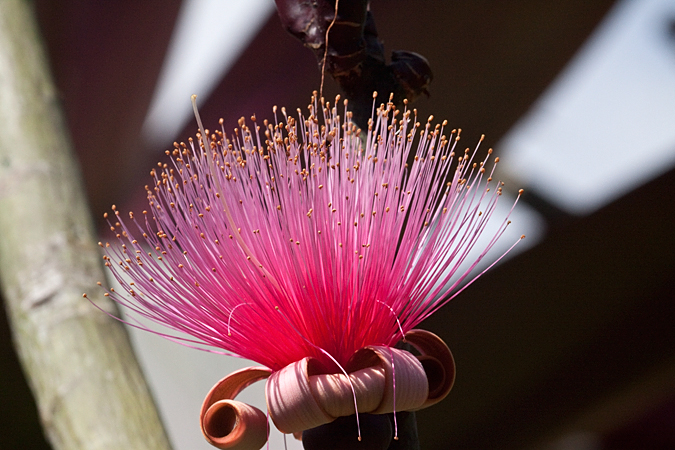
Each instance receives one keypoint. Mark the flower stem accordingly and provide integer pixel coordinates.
(377, 433)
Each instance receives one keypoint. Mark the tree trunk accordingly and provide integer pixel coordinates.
(79, 363)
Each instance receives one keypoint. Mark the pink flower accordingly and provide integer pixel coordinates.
(296, 242)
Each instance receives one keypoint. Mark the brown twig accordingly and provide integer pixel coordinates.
(325, 53)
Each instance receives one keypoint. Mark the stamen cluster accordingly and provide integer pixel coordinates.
(303, 236)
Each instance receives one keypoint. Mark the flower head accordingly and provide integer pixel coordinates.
(305, 237)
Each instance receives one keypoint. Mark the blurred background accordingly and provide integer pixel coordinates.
(570, 343)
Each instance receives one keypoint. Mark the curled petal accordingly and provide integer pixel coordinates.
(383, 380)
(290, 400)
(437, 361)
(406, 387)
(231, 424)
(334, 392)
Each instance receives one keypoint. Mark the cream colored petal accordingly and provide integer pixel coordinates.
(383, 379)
(334, 392)
(290, 401)
(406, 387)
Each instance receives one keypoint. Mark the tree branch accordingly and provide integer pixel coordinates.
(89, 389)
(355, 57)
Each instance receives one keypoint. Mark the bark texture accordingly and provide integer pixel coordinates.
(89, 389)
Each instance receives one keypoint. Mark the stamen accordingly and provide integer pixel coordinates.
(230, 317)
(393, 378)
(398, 322)
(216, 179)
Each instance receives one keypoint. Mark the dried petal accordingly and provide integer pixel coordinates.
(235, 425)
(232, 424)
(438, 363)
(406, 383)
